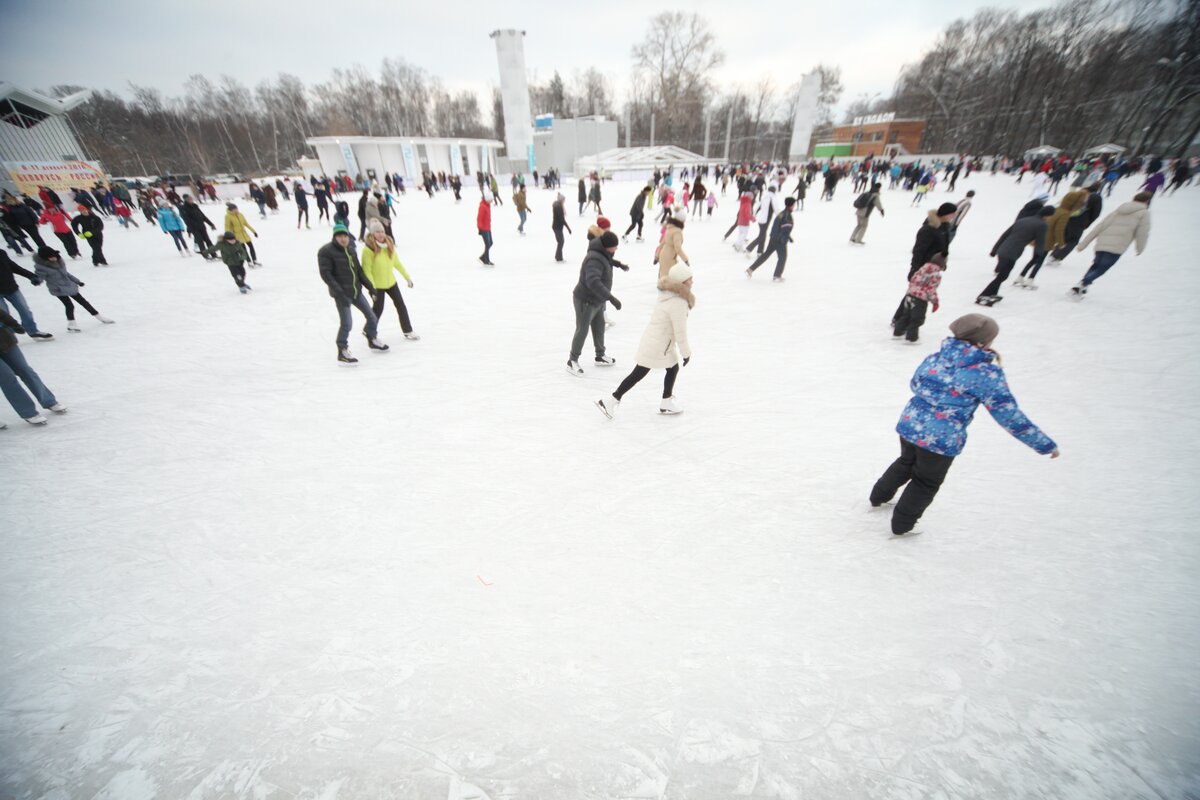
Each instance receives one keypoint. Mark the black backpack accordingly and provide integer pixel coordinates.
(862, 200)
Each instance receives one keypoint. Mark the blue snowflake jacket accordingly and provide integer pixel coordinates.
(948, 387)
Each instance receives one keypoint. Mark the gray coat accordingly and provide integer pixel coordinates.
(1014, 240)
(60, 282)
(595, 275)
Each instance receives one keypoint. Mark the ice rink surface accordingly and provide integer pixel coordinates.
(237, 570)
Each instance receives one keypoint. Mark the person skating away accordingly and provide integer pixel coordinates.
(922, 292)
(236, 221)
(583, 196)
(301, 205)
(14, 239)
(781, 235)
(281, 187)
(363, 201)
(380, 264)
(21, 217)
(10, 294)
(233, 255)
(456, 187)
(171, 224)
(767, 208)
(1152, 184)
(522, 207)
(339, 267)
(594, 196)
(637, 214)
(60, 225)
(745, 216)
(89, 227)
(591, 293)
(124, 214)
(557, 223)
(62, 284)
(963, 206)
(495, 187)
(1079, 222)
(1025, 232)
(321, 195)
(699, 195)
(711, 203)
(195, 220)
(864, 204)
(483, 224)
(15, 370)
(1073, 202)
(272, 199)
(670, 249)
(924, 187)
(948, 388)
(1181, 175)
(664, 344)
(1129, 224)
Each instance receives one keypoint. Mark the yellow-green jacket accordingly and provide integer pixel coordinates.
(236, 221)
(379, 265)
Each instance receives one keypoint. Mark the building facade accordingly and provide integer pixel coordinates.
(564, 141)
(38, 146)
(878, 135)
(372, 156)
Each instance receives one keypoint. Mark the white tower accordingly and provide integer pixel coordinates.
(806, 117)
(514, 93)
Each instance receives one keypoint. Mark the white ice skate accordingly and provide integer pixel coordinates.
(36, 419)
(608, 406)
(573, 368)
(102, 318)
(669, 406)
(412, 337)
(72, 326)
(58, 408)
(605, 361)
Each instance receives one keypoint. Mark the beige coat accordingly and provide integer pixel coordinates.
(1130, 223)
(670, 251)
(665, 340)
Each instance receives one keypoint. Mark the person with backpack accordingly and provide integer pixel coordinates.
(948, 388)
(863, 205)
(233, 255)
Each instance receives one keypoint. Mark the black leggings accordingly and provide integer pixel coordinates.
(78, 298)
(68, 242)
(640, 372)
(253, 255)
(637, 223)
(923, 471)
(322, 213)
(301, 212)
(393, 292)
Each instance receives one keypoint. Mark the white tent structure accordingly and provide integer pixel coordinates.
(1042, 150)
(1108, 149)
(635, 162)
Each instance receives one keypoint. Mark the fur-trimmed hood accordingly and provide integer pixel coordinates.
(674, 287)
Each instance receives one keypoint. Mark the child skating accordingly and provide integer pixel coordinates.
(62, 284)
(233, 255)
(922, 291)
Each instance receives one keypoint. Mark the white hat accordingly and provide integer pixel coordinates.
(680, 272)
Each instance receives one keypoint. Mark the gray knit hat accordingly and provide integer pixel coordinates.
(978, 329)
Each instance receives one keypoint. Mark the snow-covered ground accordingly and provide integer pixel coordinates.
(236, 569)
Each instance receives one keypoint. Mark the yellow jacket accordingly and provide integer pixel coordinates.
(236, 221)
(379, 265)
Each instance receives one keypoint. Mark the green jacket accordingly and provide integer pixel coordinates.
(232, 253)
(379, 266)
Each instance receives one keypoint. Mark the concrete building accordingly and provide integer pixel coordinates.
(564, 141)
(514, 96)
(805, 119)
(877, 135)
(38, 146)
(372, 156)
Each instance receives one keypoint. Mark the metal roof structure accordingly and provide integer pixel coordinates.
(25, 108)
(637, 158)
(1043, 150)
(1104, 149)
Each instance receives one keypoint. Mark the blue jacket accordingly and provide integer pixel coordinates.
(168, 220)
(948, 387)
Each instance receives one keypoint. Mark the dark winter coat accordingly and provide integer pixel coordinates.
(20, 216)
(59, 281)
(1031, 208)
(1013, 242)
(8, 339)
(638, 209)
(8, 271)
(595, 275)
(194, 217)
(781, 230)
(932, 238)
(558, 216)
(87, 223)
(342, 272)
(582, 191)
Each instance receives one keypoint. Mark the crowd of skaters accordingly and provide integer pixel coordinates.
(1050, 232)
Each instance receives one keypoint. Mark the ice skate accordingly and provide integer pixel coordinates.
(375, 344)
(58, 408)
(36, 419)
(668, 406)
(988, 300)
(244, 289)
(605, 361)
(749, 272)
(41, 336)
(778, 279)
(345, 356)
(102, 318)
(72, 326)
(573, 368)
(608, 406)
(1077, 292)
(1020, 281)
(412, 337)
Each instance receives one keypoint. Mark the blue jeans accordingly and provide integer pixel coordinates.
(347, 320)
(13, 366)
(1102, 264)
(23, 312)
(521, 227)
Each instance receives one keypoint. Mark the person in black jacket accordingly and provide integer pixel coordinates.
(1010, 245)
(637, 213)
(90, 228)
(362, 213)
(591, 293)
(194, 219)
(340, 269)
(781, 234)
(1079, 223)
(558, 222)
(11, 293)
(21, 217)
(933, 237)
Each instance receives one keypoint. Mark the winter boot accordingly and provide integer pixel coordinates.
(669, 406)
(608, 406)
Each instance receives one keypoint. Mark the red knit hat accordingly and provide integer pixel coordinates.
(602, 223)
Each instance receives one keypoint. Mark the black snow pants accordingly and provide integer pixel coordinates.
(923, 471)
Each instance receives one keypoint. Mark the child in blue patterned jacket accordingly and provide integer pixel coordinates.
(947, 389)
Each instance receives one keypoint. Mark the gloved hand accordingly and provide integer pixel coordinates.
(615, 303)
(410, 284)
(36, 281)
(18, 328)
(935, 307)
(686, 360)
(80, 283)
(256, 236)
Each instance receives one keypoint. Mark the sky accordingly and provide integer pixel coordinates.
(160, 44)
